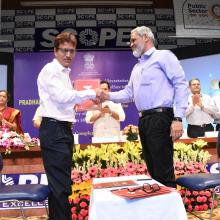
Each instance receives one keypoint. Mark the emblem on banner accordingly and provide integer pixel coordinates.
(88, 37)
(7, 180)
(89, 59)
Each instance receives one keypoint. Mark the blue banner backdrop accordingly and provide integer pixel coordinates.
(114, 66)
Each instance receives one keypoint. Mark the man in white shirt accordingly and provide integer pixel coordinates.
(216, 100)
(200, 111)
(37, 118)
(106, 121)
(57, 100)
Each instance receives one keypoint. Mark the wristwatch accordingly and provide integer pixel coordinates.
(177, 119)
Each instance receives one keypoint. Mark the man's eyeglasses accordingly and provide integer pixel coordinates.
(148, 188)
(65, 50)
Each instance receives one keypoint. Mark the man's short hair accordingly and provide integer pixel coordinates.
(190, 81)
(105, 82)
(65, 37)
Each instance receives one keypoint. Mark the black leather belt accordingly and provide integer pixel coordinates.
(155, 110)
(201, 126)
(65, 123)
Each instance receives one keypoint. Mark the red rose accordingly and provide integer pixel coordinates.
(197, 208)
(204, 199)
(84, 212)
(199, 199)
(205, 207)
(208, 193)
(83, 204)
(195, 193)
(73, 209)
(190, 208)
(74, 217)
(80, 217)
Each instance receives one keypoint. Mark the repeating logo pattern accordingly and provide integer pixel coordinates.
(97, 28)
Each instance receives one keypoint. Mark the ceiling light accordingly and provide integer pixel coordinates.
(84, 3)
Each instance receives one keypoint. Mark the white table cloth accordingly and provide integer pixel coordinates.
(104, 205)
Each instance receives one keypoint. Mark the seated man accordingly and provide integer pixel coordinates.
(9, 117)
(200, 111)
(106, 120)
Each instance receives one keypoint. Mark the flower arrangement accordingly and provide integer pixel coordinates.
(80, 207)
(107, 155)
(191, 152)
(82, 184)
(82, 179)
(131, 132)
(198, 200)
(191, 158)
(11, 140)
(118, 160)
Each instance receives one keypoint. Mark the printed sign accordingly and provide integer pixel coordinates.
(21, 179)
(197, 18)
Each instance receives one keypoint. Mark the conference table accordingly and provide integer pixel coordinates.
(104, 205)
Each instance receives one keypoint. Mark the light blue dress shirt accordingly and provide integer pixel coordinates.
(157, 80)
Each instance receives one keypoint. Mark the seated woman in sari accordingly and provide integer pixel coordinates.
(9, 117)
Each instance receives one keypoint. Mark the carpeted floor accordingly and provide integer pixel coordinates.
(204, 215)
(28, 218)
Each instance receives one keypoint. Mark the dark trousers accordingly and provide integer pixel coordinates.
(56, 141)
(194, 131)
(217, 128)
(157, 145)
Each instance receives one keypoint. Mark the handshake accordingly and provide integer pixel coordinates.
(100, 96)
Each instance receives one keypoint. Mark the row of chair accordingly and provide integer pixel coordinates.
(203, 181)
(27, 192)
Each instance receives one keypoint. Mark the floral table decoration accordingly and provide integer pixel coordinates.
(131, 132)
(10, 140)
(110, 160)
(189, 159)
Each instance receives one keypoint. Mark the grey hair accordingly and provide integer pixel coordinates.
(142, 30)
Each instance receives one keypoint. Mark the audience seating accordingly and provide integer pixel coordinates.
(27, 192)
(202, 181)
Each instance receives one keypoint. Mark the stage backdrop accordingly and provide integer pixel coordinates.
(114, 66)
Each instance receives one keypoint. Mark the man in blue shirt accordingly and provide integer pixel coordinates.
(157, 82)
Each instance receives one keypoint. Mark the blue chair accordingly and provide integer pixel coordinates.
(203, 181)
(28, 192)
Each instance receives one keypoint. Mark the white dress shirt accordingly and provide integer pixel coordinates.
(216, 100)
(197, 116)
(57, 97)
(37, 114)
(107, 126)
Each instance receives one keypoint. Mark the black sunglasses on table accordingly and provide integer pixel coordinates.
(147, 188)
